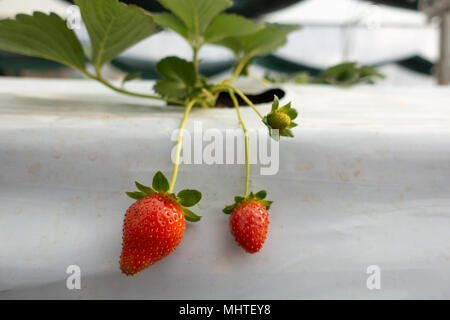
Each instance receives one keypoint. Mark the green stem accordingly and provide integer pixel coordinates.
(134, 94)
(241, 122)
(247, 100)
(179, 144)
(195, 58)
(238, 70)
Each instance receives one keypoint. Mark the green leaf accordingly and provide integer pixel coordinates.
(230, 25)
(285, 108)
(233, 44)
(276, 103)
(171, 89)
(292, 113)
(189, 198)
(229, 209)
(131, 76)
(136, 195)
(196, 14)
(292, 125)
(170, 21)
(191, 216)
(261, 194)
(114, 27)
(286, 133)
(179, 78)
(267, 40)
(174, 68)
(144, 189)
(338, 69)
(262, 42)
(368, 71)
(44, 36)
(160, 182)
(266, 203)
(238, 199)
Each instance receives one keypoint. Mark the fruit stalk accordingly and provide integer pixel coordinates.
(241, 122)
(179, 144)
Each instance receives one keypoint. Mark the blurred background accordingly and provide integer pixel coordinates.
(406, 40)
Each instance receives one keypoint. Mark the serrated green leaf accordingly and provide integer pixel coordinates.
(144, 189)
(170, 21)
(189, 198)
(136, 195)
(260, 43)
(171, 89)
(238, 199)
(261, 194)
(160, 182)
(230, 25)
(233, 44)
(179, 78)
(191, 216)
(114, 27)
(174, 68)
(44, 36)
(196, 14)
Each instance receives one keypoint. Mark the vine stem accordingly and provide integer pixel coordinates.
(179, 144)
(195, 58)
(241, 94)
(238, 70)
(247, 100)
(241, 122)
(134, 94)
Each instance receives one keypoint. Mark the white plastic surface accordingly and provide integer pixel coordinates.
(366, 181)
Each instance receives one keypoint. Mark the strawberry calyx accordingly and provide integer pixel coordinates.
(280, 120)
(185, 198)
(258, 197)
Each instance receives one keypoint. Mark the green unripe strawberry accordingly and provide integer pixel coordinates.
(278, 120)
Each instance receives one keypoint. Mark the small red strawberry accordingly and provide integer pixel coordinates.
(249, 221)
(154, 225)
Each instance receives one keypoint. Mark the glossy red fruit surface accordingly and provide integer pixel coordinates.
(249, 224)
(153, 228)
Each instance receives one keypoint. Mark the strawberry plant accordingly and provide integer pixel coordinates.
(154, 224)
(343, 75)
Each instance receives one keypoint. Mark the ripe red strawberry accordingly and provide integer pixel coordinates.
(249, 221)
(154, 225)
(153, 228)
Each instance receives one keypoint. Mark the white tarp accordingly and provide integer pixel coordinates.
(366, 181)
